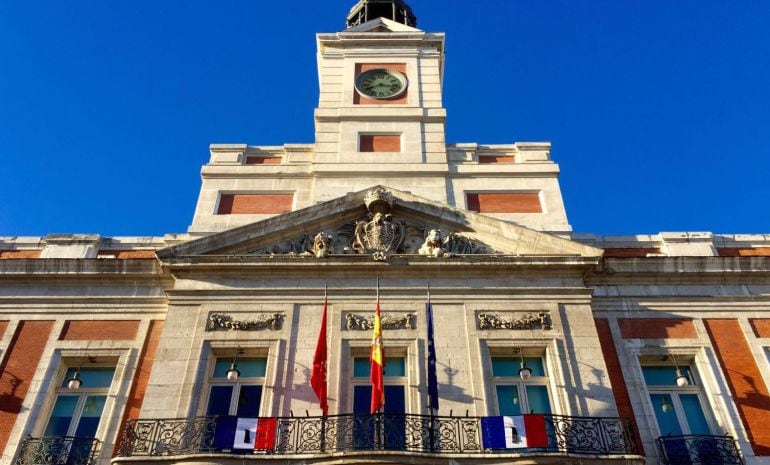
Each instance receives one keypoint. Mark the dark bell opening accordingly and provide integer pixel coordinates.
(395, 10)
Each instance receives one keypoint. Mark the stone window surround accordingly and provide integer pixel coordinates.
(65, 358)
(226, 349)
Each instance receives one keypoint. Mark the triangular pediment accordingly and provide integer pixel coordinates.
(380, 219)
(382, 25)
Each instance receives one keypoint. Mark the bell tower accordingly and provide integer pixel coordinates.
(380, 117)
(394, 10)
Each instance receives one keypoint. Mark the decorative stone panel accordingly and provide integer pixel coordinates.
(227, 322)
(513, 320)
(355, 322)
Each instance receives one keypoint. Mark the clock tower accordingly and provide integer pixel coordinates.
(380, 118)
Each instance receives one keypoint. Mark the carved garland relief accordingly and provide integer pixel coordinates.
(355, 322)
(488, 320)
(224, 322)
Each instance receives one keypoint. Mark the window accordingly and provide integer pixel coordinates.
(77, 412)
(242, 397)
(516, 396)
(678, 410)
(394, 426)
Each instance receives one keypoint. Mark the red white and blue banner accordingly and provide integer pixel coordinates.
(514, 432)
(244, 434)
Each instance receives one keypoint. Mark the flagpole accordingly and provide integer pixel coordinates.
(325, 411)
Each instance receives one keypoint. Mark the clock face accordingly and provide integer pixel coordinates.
(381, 83)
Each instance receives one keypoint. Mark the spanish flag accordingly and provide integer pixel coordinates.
(377, 359)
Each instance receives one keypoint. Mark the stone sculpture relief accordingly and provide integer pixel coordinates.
(355, 322)
(379, 235)
(528, 321)
(223, 322)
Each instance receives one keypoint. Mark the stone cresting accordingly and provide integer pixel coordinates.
(379, 235)
(540, 320)
(389, 321)
(223, 322)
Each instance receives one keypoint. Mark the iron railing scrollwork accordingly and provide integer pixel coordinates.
(179, 436)
(58, 450)
(362, 432)
(590, 435)
(700, 449)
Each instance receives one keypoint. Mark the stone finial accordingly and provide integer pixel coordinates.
(379, 200)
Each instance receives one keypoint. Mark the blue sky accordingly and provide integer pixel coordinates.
(657, 109)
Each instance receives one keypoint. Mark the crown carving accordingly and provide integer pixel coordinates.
(378, 200)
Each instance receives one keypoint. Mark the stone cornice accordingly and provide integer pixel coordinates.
(104, 268)
(680, 270)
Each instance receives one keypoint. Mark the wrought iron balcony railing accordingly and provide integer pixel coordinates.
(353, 432)
(700, 449)
(58, 450)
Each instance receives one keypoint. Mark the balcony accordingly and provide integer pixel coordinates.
(700, 449)
(593, 439)
(58, 450)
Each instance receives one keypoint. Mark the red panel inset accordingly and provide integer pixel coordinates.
(657, 328)
(629, 252)
(17, 370)
(749, 391)
(142, 376)
(505, 202)
(254, 204)
(99, 330)
(263, 160)
(379, 143)
(615, 372)
(761, 326)
(745, 252)
(496, 159)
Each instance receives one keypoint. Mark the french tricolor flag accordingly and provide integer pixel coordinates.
(514, 432)
(245, 434)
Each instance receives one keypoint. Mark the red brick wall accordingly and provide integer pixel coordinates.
(99, 330)
(379, 143)
(3, 327)
(745, 252)
(361, 67)
(18, 254)
(615, 372)
(141, 377)
(17, 369)
(504, 202)
(128, 254)
(749, 391)
(254, 204)
(629, 252)
(657, 328)
(761, 327)
(263, 160)
(496, 159)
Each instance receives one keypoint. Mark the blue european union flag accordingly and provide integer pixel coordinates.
(432, 379)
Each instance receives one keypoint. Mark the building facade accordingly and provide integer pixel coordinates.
(627, 350)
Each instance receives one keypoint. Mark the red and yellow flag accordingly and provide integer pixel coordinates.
(377, 359)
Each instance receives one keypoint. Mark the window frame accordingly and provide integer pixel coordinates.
(82, 393)
(238, 384)
(695, 387)
(521, 384)
(392, 352)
